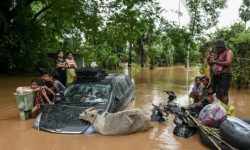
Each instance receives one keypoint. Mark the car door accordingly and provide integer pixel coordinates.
(131, 90)
(127, 92)
(118, 97)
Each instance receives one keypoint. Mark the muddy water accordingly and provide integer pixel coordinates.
(16, 134)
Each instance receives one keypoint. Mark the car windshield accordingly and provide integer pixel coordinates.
(87, 93)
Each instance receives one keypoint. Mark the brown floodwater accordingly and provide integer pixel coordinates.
(19, 135)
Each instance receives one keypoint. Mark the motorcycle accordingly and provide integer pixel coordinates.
(171, 96)
(159, 114)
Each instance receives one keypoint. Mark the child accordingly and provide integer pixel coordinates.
(211, 94)
(197, 90)
(59, 88)
(38, 97)
(209, 98)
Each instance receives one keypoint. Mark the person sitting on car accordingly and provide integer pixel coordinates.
(59, 88)
(47, 84)
(38, 97)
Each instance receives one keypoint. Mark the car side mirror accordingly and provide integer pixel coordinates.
(117, 99)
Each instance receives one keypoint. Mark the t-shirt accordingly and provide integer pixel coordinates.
(61, 62)
(38, 97)
(49, 84)
(198, 89)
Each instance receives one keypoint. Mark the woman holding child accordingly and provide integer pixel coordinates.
(220, 65)
(71, 75)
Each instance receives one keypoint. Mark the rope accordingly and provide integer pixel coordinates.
(94, 119)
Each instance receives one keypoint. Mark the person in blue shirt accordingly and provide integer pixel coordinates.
(59, 88)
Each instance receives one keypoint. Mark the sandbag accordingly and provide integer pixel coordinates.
(213, 115)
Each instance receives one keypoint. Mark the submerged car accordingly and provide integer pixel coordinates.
(111, 93)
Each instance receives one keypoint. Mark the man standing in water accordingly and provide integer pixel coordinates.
(221, 67)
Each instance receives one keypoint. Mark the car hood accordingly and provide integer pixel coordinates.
(62, 119)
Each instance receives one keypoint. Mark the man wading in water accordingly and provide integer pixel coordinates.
(222, 77)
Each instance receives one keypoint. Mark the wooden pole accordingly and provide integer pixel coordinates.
(210, 132)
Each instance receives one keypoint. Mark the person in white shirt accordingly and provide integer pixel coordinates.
(196, 93)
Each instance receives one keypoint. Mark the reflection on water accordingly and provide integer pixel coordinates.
(150, 87)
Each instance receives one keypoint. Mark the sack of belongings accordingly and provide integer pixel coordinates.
(213, 114)
(229, 109)
(23, 90)
(184, 131)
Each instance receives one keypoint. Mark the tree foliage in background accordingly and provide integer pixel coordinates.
(107, 32)
(204, 14)
(162, 52)
(30, 29)
(238, 40)
(244, 13)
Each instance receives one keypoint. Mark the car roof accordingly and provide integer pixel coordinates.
(109, 79)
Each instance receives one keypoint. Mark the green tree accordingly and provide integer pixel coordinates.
(244, 12)
(204, 14)
(30, 29)
(132, 20)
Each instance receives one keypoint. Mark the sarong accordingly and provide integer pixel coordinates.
(222, 83)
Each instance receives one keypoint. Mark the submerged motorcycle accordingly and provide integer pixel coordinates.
(159, 114)
(171, 96)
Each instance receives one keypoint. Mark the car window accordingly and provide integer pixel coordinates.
(128, 81)
(118, 91)
(124, 84)
(87, 93)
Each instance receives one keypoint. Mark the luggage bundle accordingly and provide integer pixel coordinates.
(91, 74)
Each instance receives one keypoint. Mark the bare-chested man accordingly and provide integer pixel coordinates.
(222, 77)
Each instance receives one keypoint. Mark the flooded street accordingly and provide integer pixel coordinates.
(149, 84)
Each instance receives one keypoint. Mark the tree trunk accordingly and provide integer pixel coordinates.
(118, 55)
(142, 56)
(129, 55)
(245, 24)
(142, 65)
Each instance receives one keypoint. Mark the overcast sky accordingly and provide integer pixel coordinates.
(227, 16)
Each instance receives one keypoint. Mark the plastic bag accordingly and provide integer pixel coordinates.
(23, 90)
(213, 115)
(229, 109)
(93, 64)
